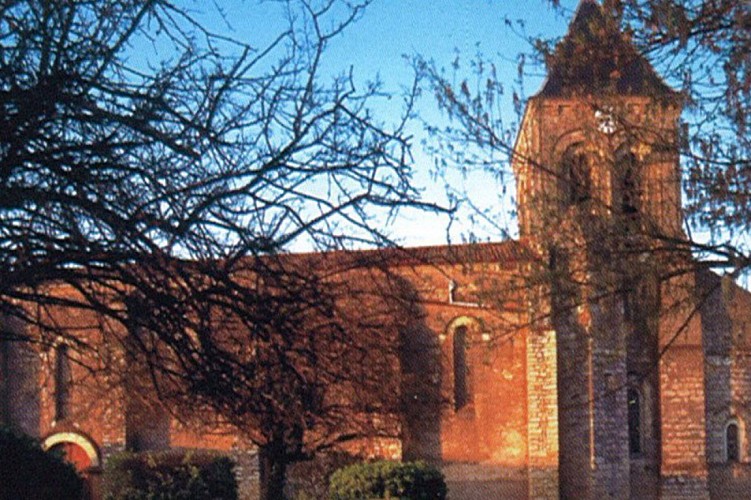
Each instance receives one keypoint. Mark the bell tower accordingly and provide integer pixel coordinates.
(598, 190)
(600, 137)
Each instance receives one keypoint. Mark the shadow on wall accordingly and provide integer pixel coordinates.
(424, 402)
(19, 365)
(419, 384)
(422, 375)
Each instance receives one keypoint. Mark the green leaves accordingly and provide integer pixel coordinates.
(170, 476)
(385, 479)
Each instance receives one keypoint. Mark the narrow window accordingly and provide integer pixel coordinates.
(461, 387)
(628, 185)
(634, 421)
(732, 442)
(62, 382)
(575, 176)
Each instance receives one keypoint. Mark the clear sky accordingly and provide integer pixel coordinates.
(440, 30)
(437, 30)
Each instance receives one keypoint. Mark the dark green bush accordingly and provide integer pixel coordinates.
(27, 472)
(395, 480)
(170, 475)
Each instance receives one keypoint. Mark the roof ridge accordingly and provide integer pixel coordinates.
(503, 251)
(594, 56)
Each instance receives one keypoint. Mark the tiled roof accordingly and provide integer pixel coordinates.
(507, 253)
(595, 57)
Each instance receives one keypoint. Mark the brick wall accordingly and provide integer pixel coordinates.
(682, 393)
(488, 436)
(492, 426)
(548, 414)
(683, 427)
(95, 408)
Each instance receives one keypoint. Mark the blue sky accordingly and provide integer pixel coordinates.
(437, 30)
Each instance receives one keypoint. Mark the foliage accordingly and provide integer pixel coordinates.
(169, 475)
(28, 472)
(384, 479)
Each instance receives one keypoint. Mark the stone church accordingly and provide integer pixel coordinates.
(592, 358)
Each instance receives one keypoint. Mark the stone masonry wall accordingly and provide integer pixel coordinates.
(542, 404)
(684, 473)
(726, 328)
(609, 383)
(682, 393)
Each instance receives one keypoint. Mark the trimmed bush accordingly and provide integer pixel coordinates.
(384, 479)
(170, 475)
(27, 472)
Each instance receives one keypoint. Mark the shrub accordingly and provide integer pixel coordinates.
(169, 475)
(27, 472)
(395, 480)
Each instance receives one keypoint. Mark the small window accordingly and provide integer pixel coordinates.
(628, 186)
(575, 176)
(634, 422)
(732, 442)
(461, 385)
(62, 382)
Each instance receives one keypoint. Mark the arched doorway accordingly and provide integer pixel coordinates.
(74, 454)
(83, 454)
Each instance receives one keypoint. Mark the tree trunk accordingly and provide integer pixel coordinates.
(273, 472)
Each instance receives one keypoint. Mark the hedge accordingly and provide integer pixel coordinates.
(27, 472)
(169, 475)
(384, 479)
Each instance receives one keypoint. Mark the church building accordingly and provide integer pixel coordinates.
(592, 358)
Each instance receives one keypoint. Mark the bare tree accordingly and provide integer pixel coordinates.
(699, 48)
(167, 184)
(209, 154)
(645, 102)
(299, 353)
(591, 210)
(703, 49)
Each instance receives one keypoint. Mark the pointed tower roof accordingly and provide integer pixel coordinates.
(596, 58)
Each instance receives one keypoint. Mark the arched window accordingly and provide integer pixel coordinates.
(627, 188)
(732, 442)
(62, 382)
(461, 370)
(634, 421)
(575, 176)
